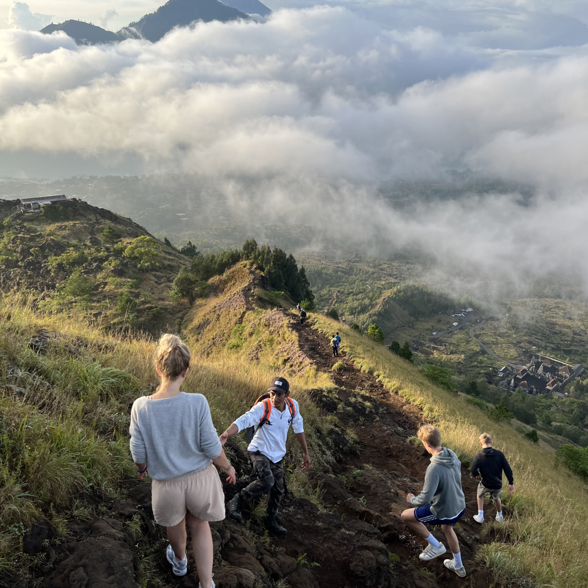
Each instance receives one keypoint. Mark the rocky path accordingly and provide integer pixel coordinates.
(371, 486)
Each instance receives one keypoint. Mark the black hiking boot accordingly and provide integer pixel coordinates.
(234, 507)
(273, 524)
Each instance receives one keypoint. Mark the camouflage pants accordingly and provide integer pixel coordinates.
(270, 479)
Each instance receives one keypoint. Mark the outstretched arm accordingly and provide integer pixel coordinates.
(302, 440)
(232, 430)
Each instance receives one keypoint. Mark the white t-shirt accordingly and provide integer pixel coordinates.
(270, 439)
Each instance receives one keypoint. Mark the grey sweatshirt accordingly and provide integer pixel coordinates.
(174, 436)
(442, 487)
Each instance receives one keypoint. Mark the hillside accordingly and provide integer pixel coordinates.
(76, 256)
(83, 33)
(154, 26)
(70, 502)
(179, 13)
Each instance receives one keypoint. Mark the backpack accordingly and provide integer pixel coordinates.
(265, 398)
(303, 313)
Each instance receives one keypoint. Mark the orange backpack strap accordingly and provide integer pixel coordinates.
(291, 406)
(267, 411)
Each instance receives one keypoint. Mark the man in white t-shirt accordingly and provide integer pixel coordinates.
(271, 418)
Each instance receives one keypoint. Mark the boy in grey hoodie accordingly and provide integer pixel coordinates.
(441, 501)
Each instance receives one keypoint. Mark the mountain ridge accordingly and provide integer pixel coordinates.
(155, 25)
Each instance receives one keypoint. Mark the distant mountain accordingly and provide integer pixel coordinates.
(176, 13)
(179, 13)
(83, 33)
(249, 6)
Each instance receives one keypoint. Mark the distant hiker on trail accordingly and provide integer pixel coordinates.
(335, 345)
(298, 307)
(487, 467)
(338, 337)
(271, 417)
(441, 501)
(302, 316)
(172, 434)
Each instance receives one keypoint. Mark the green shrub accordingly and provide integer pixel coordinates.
(332, 312)
(339, 366)
(532, 436)
(374, 332)
(479, 403)
(394, 347)
(575, 459)
(145, 251)
(110, 235)
(356, 327)
(501, 413)
(184, 285)
(472, 389)
(125, 303)
(77, 285)
(307, 305)
(441, 376)
(189, 250)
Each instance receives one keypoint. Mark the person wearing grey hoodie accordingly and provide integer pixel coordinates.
(441, 501)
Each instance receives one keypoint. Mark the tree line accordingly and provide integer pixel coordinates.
(279, 267)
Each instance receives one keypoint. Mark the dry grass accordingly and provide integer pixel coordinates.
(549, 522)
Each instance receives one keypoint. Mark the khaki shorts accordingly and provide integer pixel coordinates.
(201, 493)
(494, 492)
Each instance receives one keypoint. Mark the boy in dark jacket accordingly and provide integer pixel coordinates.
(441, 501)
(487, 467)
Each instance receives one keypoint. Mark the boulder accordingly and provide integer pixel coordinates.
(287, 564)
(32, 542)
(229, 577)
(96, 563)
(302, 578)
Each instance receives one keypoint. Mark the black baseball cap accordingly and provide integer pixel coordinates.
(280, 385)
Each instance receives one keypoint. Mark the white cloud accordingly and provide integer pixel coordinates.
(21, 17)
(307, 116)
(107, 17)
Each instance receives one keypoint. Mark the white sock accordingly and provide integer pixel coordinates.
(481, 514)
(457, 560)
(432, 541)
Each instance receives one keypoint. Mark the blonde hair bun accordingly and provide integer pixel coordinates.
(172, 356)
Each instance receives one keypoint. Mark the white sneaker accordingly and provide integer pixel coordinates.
(450, 565)
(478, 519)
(431, 552)
(499, 518)
(179, 568)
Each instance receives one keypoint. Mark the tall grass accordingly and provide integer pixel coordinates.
(545, 534)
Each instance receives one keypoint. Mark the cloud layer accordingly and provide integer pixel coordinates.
(310, 115)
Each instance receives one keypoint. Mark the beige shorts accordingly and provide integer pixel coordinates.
(494, 493)
(201, 493)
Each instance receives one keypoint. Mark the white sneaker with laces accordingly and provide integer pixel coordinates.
(179, 568)
(499, 518)
(431, 552)
(450, 565)
(478, 519)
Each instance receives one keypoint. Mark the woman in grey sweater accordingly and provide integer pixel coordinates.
(173, 438)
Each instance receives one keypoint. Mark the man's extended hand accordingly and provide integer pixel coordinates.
(511, 488)
(305, 462)
(223, 438)
(409, 496)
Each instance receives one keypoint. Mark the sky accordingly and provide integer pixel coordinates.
(319, 107)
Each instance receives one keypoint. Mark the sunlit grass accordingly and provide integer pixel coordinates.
(548, 514)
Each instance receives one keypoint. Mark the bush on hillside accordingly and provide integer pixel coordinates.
(77, 285)
(532, 436)
(356, 327)
(403, 351)
(189, 250)
(575, 459)
(332, 312)
(125, 303)
(184, 285)
(145, 251)
(374, 332)
(472, 389)
(110, 235)
(307, 305)
(501, 413)
(441, 376)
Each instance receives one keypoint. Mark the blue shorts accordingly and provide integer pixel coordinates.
(424, 515)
